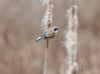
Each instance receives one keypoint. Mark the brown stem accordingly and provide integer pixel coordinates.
(45, 58)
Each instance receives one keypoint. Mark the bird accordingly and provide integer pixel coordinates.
(48, 34)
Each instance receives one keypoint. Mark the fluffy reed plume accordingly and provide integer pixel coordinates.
(45, 2)
(71, 40)
(46, 22)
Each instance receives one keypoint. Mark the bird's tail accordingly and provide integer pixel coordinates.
(39, 39)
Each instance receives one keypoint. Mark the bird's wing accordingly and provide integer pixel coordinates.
(45, 34)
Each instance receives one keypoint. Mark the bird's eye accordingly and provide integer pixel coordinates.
(55, 29)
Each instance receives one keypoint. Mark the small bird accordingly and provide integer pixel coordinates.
(49, 33)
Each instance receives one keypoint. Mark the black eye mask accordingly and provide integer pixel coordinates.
(55, 29)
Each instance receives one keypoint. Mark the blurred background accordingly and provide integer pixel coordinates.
(20, 25)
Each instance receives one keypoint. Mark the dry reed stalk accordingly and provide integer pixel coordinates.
(71, 42)
(46, 23)
(45, 58)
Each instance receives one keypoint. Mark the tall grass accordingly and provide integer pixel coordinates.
(70, 36)
(46, 23)
(71, 42)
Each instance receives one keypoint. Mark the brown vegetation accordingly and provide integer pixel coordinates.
(20, 22)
